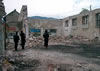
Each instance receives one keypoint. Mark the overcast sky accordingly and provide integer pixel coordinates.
(51, 8)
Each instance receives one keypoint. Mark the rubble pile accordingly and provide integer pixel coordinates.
(10, 46)
(76, 40)
(18, 64)
(69, 40)
(80, 39)
(34, 41)
(56, 39)
(71, 67)
(64, 67)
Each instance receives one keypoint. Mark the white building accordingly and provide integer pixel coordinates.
(85, 24)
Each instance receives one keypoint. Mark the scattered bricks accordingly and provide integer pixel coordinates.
(65, 67)
(21, 65)
(79, 65)
(11, 68)
(7, 66)
(52, 67)
(35, 41)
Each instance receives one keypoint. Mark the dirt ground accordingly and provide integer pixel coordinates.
(79, 57)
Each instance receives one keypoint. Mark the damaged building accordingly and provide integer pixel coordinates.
(23, 20)
(16, 21)
(86, 24)
(38, 26)
(12, 23)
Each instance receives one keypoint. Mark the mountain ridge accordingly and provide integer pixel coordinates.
(41, 17)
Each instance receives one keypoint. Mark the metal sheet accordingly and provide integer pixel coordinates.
(35, 30)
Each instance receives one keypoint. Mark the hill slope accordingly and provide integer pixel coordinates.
(40, 17)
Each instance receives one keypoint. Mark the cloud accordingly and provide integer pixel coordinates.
(80, 4)
(52, 8)
(87, 3)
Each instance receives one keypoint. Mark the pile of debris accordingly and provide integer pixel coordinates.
(69, 39)
(37, 41)
(10, 46)
(34, 41)
(76, 40)
(69, 67)
(56, 39)
(19, 64)
(66, 67)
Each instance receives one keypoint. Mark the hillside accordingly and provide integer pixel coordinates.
(40, 17)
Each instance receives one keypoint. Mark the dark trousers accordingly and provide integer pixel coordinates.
(23, 46)
(16, 45)
(46, 43)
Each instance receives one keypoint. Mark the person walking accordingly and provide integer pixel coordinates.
(46, 38)
(23, 40)
(16, 40)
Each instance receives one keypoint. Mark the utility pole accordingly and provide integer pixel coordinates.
(5, 31)
(2, 13)
(90, 7)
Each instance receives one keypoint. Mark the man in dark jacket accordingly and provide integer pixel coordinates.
(22, 35)
(46, 38)
(16, 40)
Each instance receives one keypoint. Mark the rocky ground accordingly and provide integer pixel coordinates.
(74, 57)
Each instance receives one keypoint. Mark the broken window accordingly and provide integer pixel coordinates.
(52, 32)
(74, 22)
(98, 20)
(85, 20)
(10, 35)
(36, 32)
(66, 23)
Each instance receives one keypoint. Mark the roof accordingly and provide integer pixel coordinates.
(12, 12)
(84, 11)
(96, 9)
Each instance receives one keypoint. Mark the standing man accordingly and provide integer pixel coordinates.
(22, 35)
(16, 40)
(46, 36)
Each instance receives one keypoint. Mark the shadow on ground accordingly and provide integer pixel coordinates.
(89, 51)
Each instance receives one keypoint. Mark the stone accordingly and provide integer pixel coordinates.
(11, 68)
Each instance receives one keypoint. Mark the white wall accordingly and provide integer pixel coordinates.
(67, 30)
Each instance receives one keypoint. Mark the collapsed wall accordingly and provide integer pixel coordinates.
(23, 20)
(54, 26)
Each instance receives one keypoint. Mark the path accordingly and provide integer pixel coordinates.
(47, 56)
